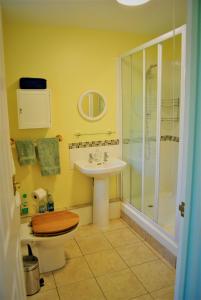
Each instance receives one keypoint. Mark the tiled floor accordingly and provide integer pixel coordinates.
(114, 264)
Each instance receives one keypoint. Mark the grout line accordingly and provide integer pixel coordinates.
(139, 265)
(54, 278)
(128, 267)
(148, 294)
(110, 272)
(126, 245)
(155, 252)
(130, 230)
(56, 285)
(92, 273)
(132, 272)
(139, 280)
(100, 234)
(137, 297)
(96, 280)
(58, 293)
(160, 256)
(115, 249)
(166, 287)
(151, 296)
(111, 230)
(153, 249)
(144, 263)
(90, 253)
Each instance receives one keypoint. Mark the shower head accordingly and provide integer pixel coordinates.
(151, 67)
(149, 70)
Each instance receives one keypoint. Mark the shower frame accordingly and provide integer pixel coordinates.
(148, 224)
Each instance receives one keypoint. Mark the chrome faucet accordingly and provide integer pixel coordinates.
(97, 155)
(106, 156)
(91, 158)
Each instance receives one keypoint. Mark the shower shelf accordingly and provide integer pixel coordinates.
(170, 119)
(170, 109)
(170, 102)
(170, 105)
(170, 99)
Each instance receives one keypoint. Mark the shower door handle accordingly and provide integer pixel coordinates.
(182, 208)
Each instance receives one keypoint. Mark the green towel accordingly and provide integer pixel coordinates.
(48, 154)
(26, 152)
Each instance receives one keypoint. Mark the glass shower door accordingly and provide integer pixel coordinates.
(170, 125)
(132, 69)
(136, 131)
(126, 100)
(150, 130)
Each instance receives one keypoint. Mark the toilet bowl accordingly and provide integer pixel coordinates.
(48, 249)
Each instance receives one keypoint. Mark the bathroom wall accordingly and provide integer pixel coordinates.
(73, 61)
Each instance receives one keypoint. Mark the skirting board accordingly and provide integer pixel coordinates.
(86, 212)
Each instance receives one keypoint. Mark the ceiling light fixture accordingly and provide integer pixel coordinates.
(132, 2)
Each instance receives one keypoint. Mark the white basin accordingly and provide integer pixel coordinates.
(100, 171)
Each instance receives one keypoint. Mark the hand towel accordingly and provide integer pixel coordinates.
(26, 152)
(48, 154)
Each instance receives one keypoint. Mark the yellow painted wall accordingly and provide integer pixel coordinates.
(72, 61)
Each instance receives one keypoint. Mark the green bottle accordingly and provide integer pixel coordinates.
(24, 205)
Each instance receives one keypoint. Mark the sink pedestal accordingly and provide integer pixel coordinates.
(100, 171)
(101, 202)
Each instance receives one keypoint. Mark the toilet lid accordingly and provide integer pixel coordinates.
(54, 223)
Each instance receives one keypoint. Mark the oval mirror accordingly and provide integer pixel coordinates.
(92, 105)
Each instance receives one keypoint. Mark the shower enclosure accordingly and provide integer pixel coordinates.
(152, 88)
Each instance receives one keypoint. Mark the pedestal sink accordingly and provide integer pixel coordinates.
(100, 171)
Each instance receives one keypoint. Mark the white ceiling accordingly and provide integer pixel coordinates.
(155, 17)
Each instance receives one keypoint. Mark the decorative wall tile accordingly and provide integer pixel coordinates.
(93, 144)
(170, 138)
(164, 138)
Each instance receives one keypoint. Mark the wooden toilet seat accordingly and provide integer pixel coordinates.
(54, 223)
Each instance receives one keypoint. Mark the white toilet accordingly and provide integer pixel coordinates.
(49, 250)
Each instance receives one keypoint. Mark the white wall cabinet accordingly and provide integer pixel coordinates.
(34, 108)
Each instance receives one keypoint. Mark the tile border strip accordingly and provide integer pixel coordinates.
(170, 138)
(93, 144)
(164, 138)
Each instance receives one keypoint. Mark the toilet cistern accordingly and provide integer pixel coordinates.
(100, 171)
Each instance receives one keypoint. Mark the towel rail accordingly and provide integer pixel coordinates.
(59, 137)
(78, 134)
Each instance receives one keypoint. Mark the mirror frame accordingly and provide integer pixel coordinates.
(81, 110)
